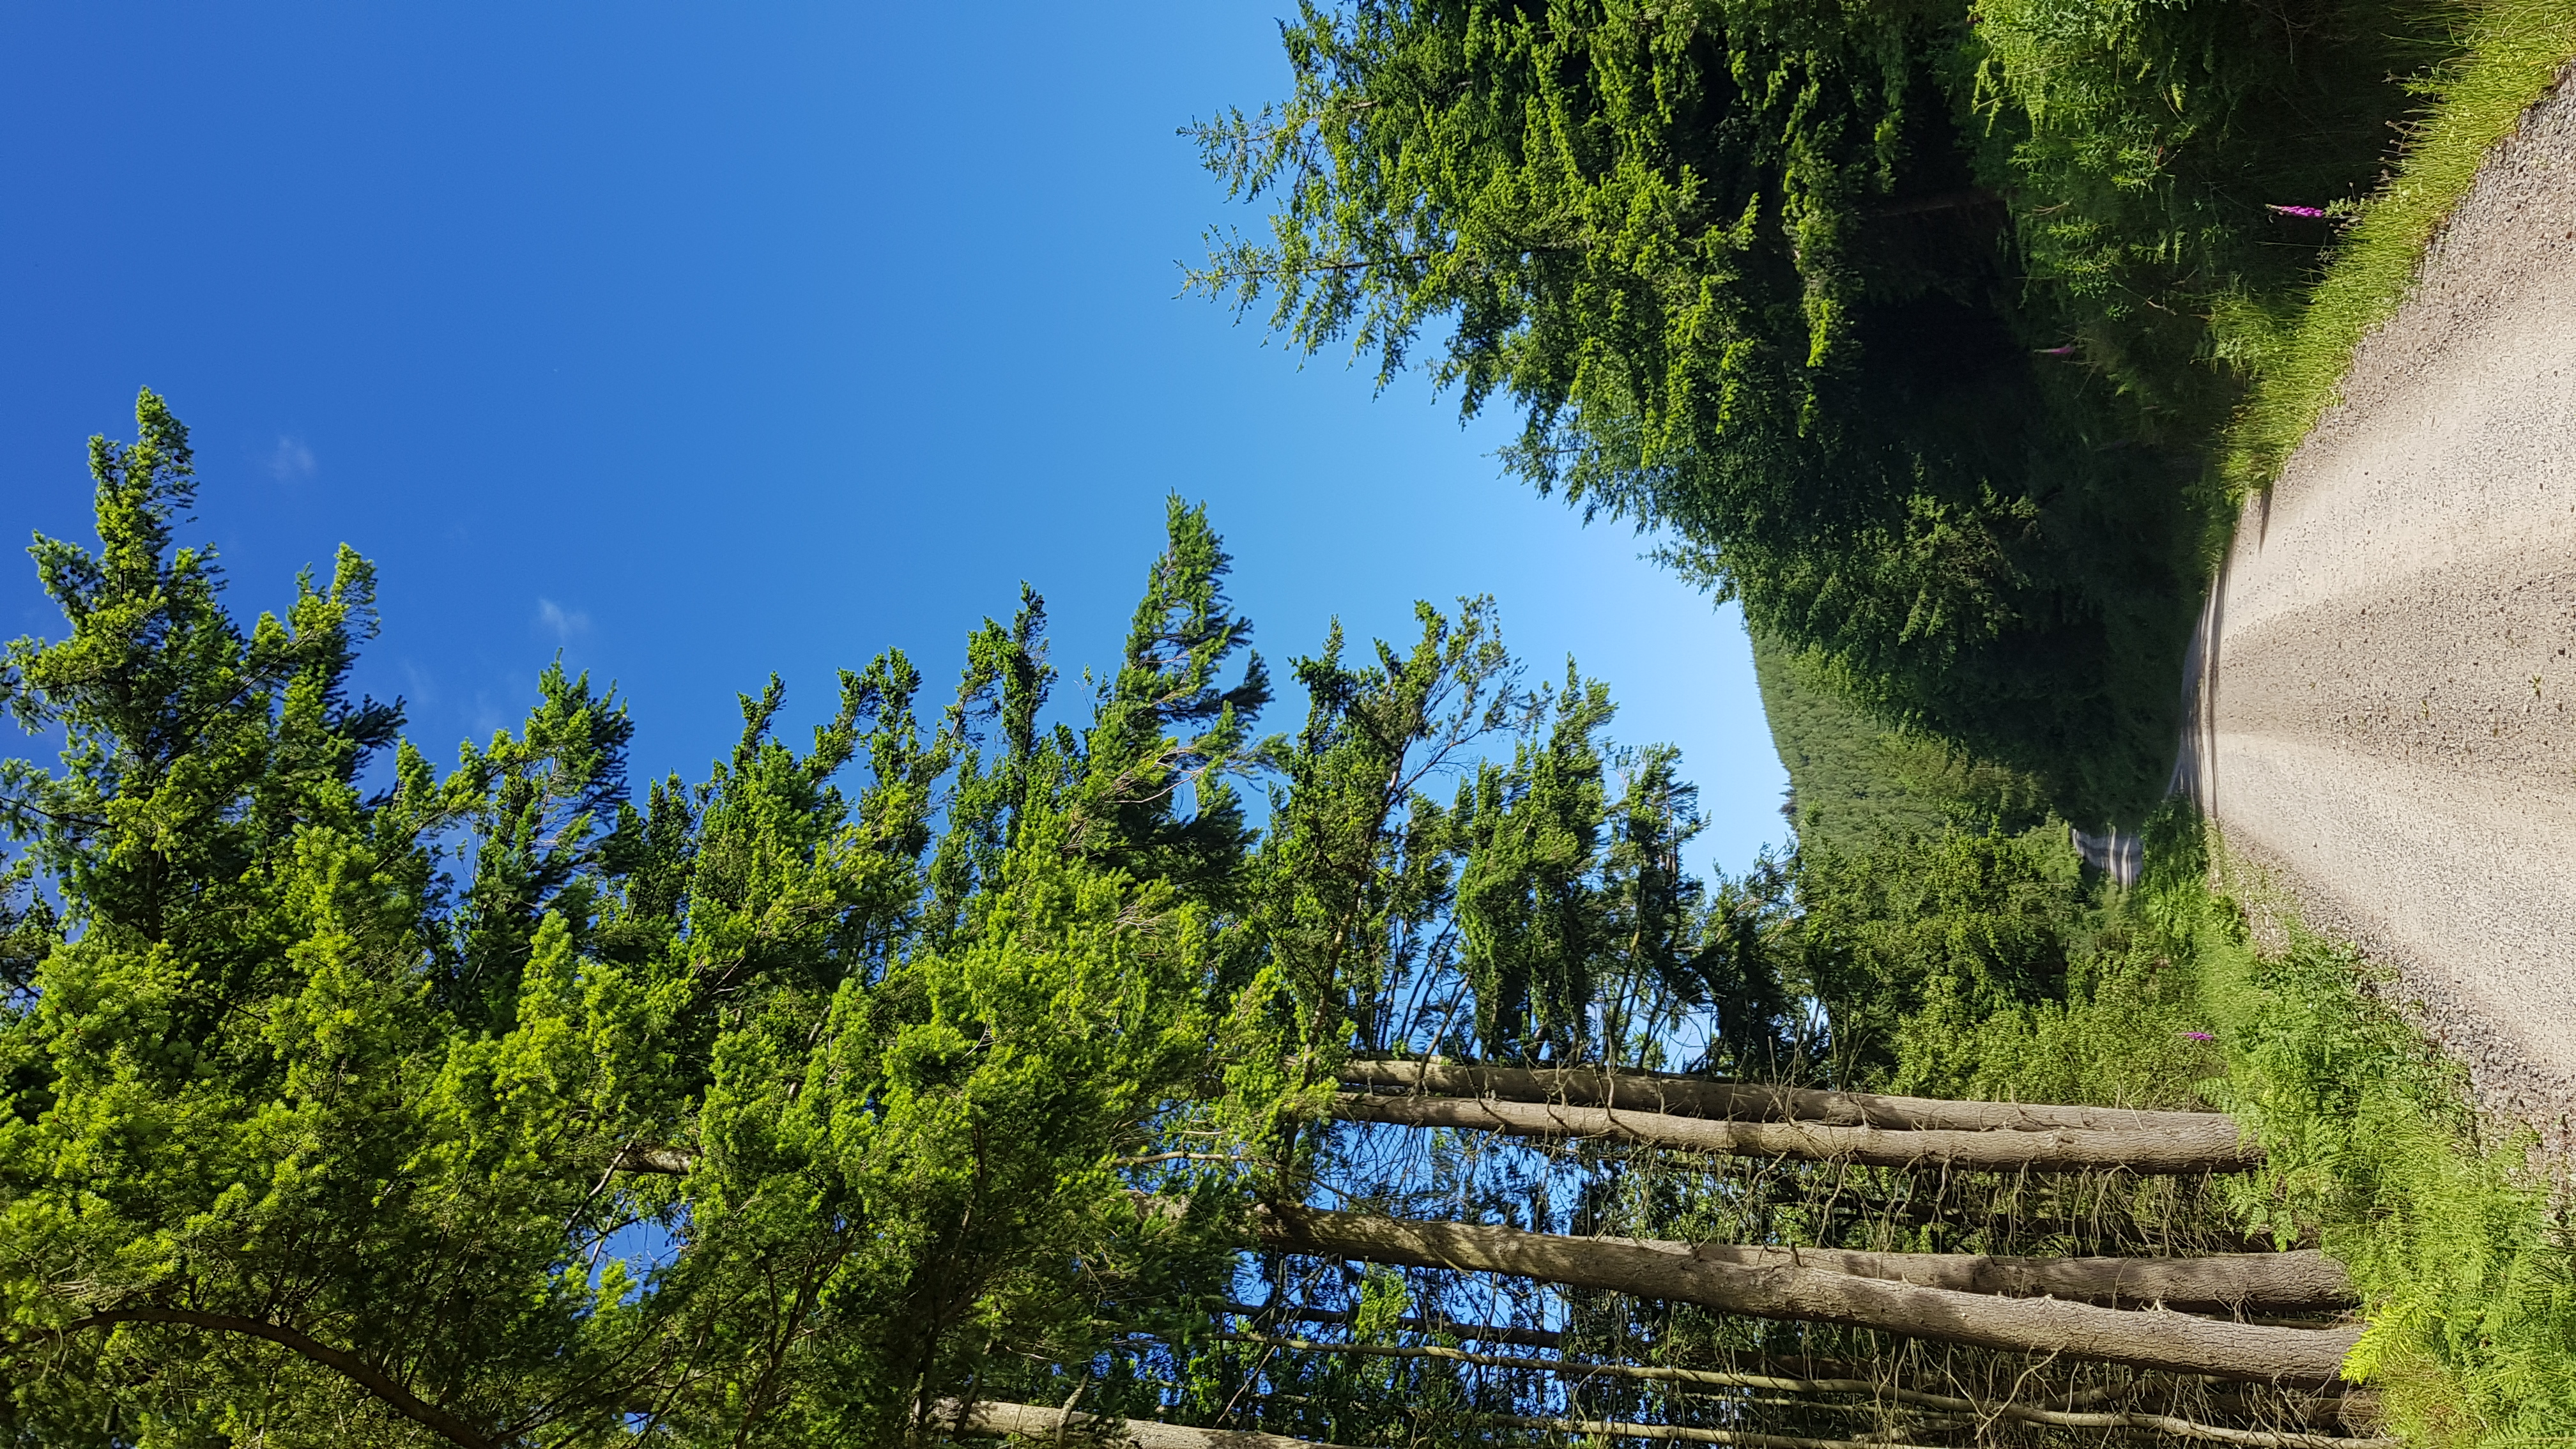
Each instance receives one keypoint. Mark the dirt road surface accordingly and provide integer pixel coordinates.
(2386, 678)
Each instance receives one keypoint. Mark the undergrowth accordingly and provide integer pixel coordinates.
(2280, 345)
(2457, 1244)
(2460, 1255)
(2509, 53)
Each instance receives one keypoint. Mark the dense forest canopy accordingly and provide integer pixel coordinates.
(1910, 323)
(990, 1054)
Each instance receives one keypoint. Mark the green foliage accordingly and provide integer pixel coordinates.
(2506, 56)
(1542, 913)
(2456, 1241)
(499, 1106)
(1359, 864)
(1777, 280)
(1572, 903)
(278, 1088)
(2460, 1247)
(1952, 927)
(2154, 142)
(941, 1056)
(1854, 783)
(2123, 1034)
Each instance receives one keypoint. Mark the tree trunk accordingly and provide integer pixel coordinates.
(2272, 1283)
(1032, 1421)
(2201, 1143)
(2159, 1423)
(1463, 1332)
(1738, 1102)
(1885, 1393)
(1779, 1287)
(1784, 1365)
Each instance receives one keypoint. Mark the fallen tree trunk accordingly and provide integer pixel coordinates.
(1783, 1288)
(2272, 1282)
(1801, 1366)
(2158, 1423)
(1033, 1421)
(1683, 1096)
(2305, 1281)
(2067, 1418)
(2300, 1281)
(1464, 1332)
(2205, 1143)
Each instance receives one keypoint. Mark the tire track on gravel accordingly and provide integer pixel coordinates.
(2384, 712)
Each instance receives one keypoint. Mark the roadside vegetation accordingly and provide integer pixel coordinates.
(2456, 1235)
(1911, 328)
(2506, 55)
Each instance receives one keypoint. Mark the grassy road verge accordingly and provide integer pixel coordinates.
(2456, 1241)
(2456, 1236)
(2373, 1149)
(2510, 53)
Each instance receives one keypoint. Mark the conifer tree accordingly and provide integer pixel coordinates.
(935, 1073)
(1906, 321)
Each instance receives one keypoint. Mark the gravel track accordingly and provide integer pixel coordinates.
(2385, 680)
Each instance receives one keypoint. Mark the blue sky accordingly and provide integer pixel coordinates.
(701, 342)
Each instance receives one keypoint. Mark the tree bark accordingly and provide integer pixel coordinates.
(1950, 1403)
(1783, 1288)
(1781, 1365)
(1684, 1096)
(1686, 1434)
(1465, 1332)
(2208, 1145)
(2305, 1281)
(1035, 1421)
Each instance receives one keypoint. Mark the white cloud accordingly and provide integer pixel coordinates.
(290, 459)
(561, 622)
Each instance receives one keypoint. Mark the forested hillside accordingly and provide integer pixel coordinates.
(1857, 781)
(1913, 327)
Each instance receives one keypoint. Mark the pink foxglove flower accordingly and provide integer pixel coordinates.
(2200, 1036)
(2310, 211)
(2067, 351)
